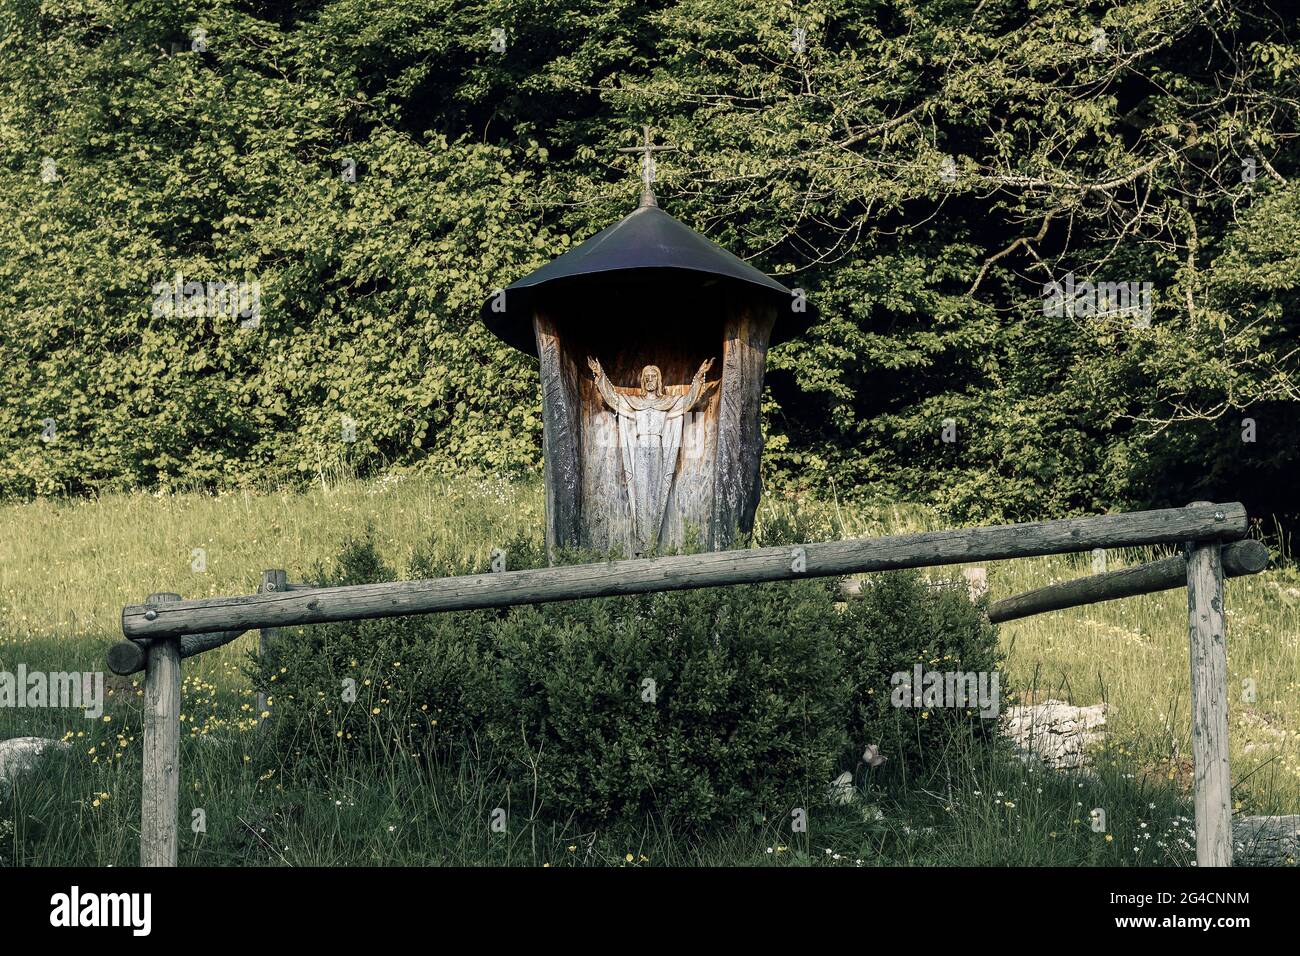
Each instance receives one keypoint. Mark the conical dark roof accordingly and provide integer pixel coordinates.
(646, 239)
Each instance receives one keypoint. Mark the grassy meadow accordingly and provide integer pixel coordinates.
(67, 567)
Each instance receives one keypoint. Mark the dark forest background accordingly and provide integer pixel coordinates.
(922, 169)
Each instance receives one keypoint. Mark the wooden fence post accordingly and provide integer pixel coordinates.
(1207, 629)
(160, 767)
(273, 580)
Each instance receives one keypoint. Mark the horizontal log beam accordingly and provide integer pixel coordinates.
(1239, 558)
(128, 657)
(676, 572)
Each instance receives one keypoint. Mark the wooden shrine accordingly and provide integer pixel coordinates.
(652, 343)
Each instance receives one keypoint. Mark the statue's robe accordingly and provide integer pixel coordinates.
(650, 440)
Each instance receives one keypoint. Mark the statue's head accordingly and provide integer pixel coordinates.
(651, 379)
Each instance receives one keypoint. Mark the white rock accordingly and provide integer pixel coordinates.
(21, 753)
(1055, 732)
(841, 789)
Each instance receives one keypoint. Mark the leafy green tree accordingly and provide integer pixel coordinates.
(924, 169)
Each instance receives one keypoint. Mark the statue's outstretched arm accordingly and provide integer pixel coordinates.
(612, 398)
(698, 388)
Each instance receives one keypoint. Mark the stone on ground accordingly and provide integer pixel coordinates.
(1266, 841)
(1055, 733)
(21, 753)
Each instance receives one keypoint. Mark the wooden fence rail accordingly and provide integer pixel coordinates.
(1239, 558)
(1212, 522)
(165, 629)
(128, 657)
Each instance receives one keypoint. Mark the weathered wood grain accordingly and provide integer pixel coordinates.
(192, 645)
(1172, 525)
(561, 463)
(740, 431)
(1239, 558)
(1207, 629)
(127, 657)
(160, 761)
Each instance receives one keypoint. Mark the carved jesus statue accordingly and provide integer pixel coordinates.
(650, 435)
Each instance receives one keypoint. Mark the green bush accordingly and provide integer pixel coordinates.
(700, 706)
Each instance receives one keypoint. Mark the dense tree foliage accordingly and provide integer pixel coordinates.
(372, 169)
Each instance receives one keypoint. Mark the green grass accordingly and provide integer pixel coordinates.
(66, 569)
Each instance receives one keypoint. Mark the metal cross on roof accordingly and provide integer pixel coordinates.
(648, 150)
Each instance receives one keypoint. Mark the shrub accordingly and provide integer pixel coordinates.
(728, 703)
